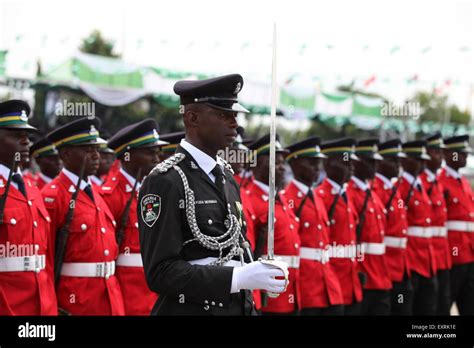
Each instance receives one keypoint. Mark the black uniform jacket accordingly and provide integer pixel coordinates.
(186, 289)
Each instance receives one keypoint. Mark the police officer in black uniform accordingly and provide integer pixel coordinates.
(192, 237)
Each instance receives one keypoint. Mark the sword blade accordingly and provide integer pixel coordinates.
(271, 176)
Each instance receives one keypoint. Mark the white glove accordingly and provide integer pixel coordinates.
(257, 275)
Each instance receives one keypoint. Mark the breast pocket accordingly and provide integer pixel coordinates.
(15, 223)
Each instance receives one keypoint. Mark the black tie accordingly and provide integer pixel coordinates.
(220, 178)
(88, 191)
(18, 179)
(344, 196)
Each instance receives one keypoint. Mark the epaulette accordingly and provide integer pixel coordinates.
(227, 165)
(168, 163)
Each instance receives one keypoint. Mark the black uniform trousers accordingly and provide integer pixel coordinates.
(402, 297)
(444, 292)
(425, 294)
(375, 302)
(462, 288)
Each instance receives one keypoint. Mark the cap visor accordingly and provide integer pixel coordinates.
(26, 127)
(355, 157)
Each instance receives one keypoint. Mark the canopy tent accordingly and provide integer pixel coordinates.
(114, 82)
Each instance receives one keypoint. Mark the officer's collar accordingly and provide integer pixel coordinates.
(73, 177)
(4, 171)
(131, 180)
(452, 172)
(300, 186)
(96, 180)
(364, 186)
(385, 180)
(204, 161)
(45, 178)
(410, 178)
(264, 187)
(336, 187)
(430, 176)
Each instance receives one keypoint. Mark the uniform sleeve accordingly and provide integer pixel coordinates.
(52, 206)
(161, 243)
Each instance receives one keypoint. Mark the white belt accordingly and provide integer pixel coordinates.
(438, 231)
(34, 263)
(395, 242)
(314, 254)
(208, 260)
(373, 248)
(423, 232)
(292, 261)
(88, 269)
(343, 251)
(130, 260)
(463, 226)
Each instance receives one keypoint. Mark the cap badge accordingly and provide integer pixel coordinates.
(155, 134)
(93, 131)
(237, 88)
(23, 116)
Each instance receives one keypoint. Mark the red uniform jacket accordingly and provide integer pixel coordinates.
(439, 216)
(372, 235)
(319, 284)
(242, 181)
(25, 232)
(138, 298)
(287, 243)
(420, 249)
(342, 235)
(460, 205)
(91, 239)
(249, 223)
(40, 183)
(395, 238)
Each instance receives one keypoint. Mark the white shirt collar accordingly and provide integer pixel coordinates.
(408, 177)
(45, 178)
(96, 180)
(364, 186)
(245, 174)
(4, 171)
(385, 180)
(430, 175)
(263, 186)
(337, 187)
(451, 172)
(131, 180)
(206, 162)
(302, 187)
(73, 177)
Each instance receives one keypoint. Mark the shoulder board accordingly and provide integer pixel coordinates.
(227, 166)
(109, 186)
(168, 163)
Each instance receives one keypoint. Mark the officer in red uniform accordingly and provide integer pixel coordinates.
(342, 215)
(137, 147)
(287, 241)
(385, 186)
(106, 165)
(47, 158)
(26, 279)
(173, 140)
(321, 292)
(370, 231)
(420, 249)
(460, 204)
(87, 284)
(434, 189)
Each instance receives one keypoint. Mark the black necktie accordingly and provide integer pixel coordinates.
(344, 196)
(88, 191)
(18, 179)
(220, 178)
